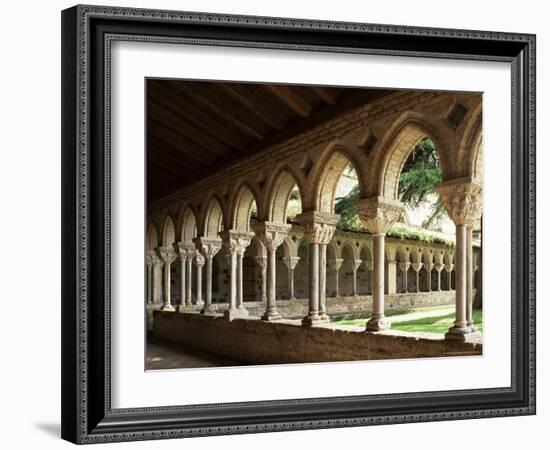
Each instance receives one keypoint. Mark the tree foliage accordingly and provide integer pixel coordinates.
(418, 177)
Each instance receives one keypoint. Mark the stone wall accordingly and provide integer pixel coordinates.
(259, 342)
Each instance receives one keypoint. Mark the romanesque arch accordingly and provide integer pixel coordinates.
(329, 176)
(213, 218)
(188, 225)
(243, 205)
(168, 231)
(282, 186)
(152, 236)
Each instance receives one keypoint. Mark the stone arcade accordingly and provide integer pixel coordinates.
(221, 247)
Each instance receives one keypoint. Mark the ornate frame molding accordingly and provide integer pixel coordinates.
(87, 416)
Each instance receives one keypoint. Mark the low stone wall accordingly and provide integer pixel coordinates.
(339, 306)
(258, 342)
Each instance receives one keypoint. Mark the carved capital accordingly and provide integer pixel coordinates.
(199, 260)
(261, 261)
(186, 250)
(378, 213)
(404, 266)
(235, 241)
(449, 267)
(438, 267)
(207, 246)
(356, 263)
(461, 199)
(336, 263)
(417, 266)
(291, 261)
(318, 226)
(429, 266)
(151, 257)
(167, 254)
(271, 234)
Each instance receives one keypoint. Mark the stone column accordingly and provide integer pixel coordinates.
(469, 280)
(199, 263)
(462, 200)
(235, 243)
(369, 266)
(168, 256)
(272, 235)
(290, 262)
(378, 214)
(449, 270)
(355, 264)
(207, 247)
(189, 278)
(438, 267)
(404, 266)
(429, 268)
(150, 259)
(318, 231)
(186, 252)
(262, 264)
(335, 264)
(416, 267)
(157, 282)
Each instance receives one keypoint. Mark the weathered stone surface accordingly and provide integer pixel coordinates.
(260, 342)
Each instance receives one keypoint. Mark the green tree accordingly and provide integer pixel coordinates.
(418, 177)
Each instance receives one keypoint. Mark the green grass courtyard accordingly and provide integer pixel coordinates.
(435, 319)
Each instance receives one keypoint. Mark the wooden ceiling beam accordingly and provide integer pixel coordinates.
(206, 96)
(182, 108)
(290, 99)
(254, 104)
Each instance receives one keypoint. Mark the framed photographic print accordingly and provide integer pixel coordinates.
(281, 224)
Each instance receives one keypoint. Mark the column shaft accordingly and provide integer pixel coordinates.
(378, 321)
(183, 285)
(271, 312)
(469, 279)
(199, 301)
(240, 301)
(313, 314)
(323, 281)
(208, 300)
(233, 280)
(291, 284)
(460, 327)
(149, 283)
(189, 281)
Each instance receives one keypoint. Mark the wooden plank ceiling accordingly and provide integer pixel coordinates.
(195, 128)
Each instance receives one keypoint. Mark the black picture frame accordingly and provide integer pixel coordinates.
(87, 416)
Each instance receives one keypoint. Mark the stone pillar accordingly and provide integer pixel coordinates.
(335, 264)
(461, 199)
(157, 284)
(168, 256)
(404, 266)
(318, 231)
(355, 264)
(262, 264)
(199, 263)
(469, 280)
(189, 279)
(186, 253)
(207, 247)
(272, 235)
(449, 270)
(438, 267)
(378, 214)
(150, 259)
(235, 243)
(416, 267)
(429, 268)
(290, 262)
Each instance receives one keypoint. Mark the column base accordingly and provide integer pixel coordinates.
(462, 334)
(271, 315)
(236, 313)
(313, 320)
(185, 308)
(378, 324)
(168, 308)
(200, 304)
(324, 316)
(208, 311)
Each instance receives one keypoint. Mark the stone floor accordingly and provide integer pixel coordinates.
(166, 355)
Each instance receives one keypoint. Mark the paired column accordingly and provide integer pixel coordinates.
(461, 199)
(355, 264)
(291, 262)
(335, 265)
(318, 231)
(167, 255)
(429, 268)
(404, 266)
(186, 254)
(261, 261)
(150, 259)
(438, 267)
(208, 247)
(378, 214)
(416, 266)
(235, 243)
(469, 279)
(449, 269)
(271, 234)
